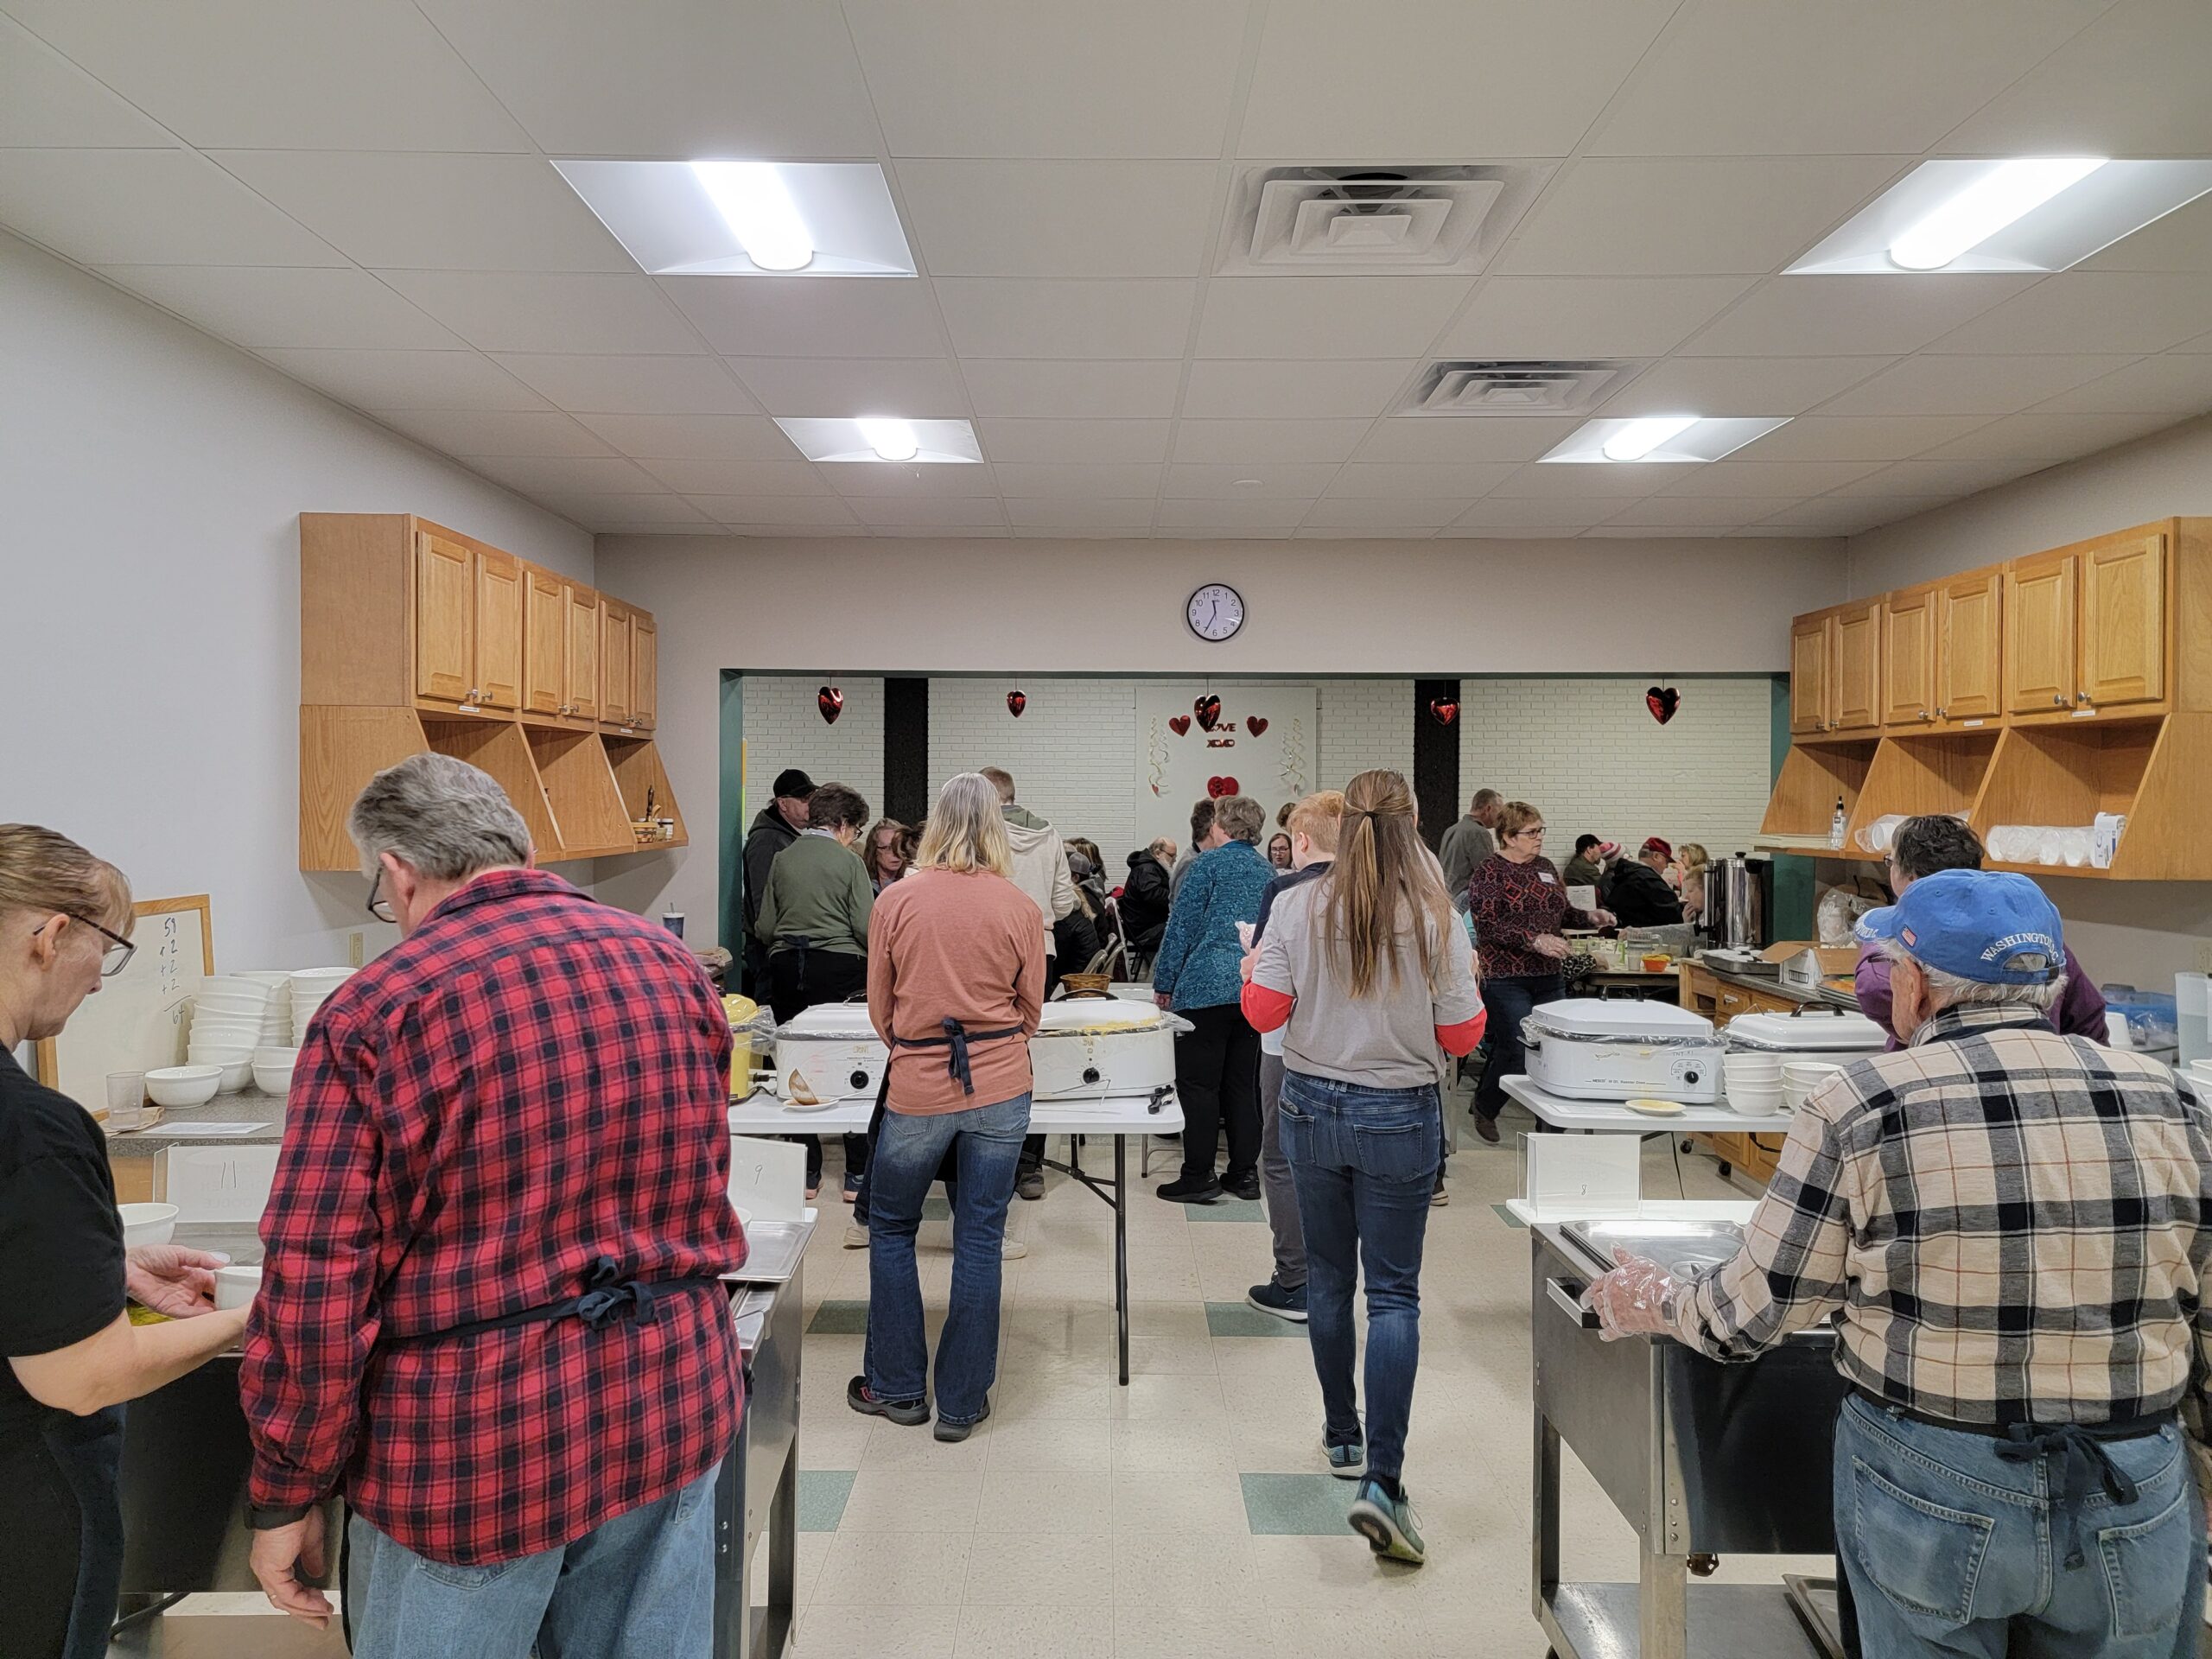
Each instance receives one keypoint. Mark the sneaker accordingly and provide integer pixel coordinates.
(1012, 1249)
(1284, 1303)
(1440, 1198)
(1487, 1128)
(904, 1413)
(1030, 1185)
(1186, 1191)
(852, 1189)
(1347, 1462)
(1386, 1523)
(855, 1235)
(955, 1432)
(1248, 1189)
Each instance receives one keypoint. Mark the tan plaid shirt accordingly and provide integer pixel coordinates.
(2011, 1226)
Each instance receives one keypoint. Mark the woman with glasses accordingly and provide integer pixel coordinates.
(73, 1357)
(1518, 904)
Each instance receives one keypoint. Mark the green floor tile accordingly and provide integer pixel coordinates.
(1228, 1210)
(1507, 1216)
(1241, 1320)
(839, 1319)
(1307, 1506)
(822, 1494)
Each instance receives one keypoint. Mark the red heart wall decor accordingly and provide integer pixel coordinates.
(1220, 787)
(831, 702)
(1663, 700)
(1208, 709)
(1016, 703)
(1442, 710)
(1256, 724)
(1178, 724)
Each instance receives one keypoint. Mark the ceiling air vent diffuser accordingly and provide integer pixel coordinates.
(1511, 388)
(1373, 220)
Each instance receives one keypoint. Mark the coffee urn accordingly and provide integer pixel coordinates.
(1738, 898)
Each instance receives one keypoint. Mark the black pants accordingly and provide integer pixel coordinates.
(1507, 1001)
(1033, 1146)
(1217, 1075)
(797, 980)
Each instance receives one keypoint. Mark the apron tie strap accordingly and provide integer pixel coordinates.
(2083, 1464)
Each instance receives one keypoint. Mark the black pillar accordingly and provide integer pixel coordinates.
(1436, 759)
(906, 749)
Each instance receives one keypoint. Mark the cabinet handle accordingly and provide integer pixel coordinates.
(2058, 699)
(2081, 696)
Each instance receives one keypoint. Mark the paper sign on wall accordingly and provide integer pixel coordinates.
(768, 1177)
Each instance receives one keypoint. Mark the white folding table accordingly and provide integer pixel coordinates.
(1118, 1117)
(1600, 1117)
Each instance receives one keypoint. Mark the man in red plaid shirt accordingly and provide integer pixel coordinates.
(489, 1311)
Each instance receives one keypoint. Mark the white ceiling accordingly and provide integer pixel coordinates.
(361, 195)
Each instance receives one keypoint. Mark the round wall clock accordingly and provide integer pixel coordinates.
(1216, 612)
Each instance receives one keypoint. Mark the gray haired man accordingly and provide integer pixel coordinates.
(1469, 840)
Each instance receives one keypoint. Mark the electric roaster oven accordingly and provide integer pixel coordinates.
(1586, 1049)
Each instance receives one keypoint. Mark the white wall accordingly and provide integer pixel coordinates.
(784, 728)
(152, 478)
(2136, 932)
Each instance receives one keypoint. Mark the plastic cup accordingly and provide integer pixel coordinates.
(126, 1101)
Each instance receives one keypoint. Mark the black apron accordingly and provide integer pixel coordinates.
(89, 1452)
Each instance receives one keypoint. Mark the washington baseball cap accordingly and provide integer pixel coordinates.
(1990, 927)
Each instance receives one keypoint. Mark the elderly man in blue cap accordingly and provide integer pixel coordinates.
(2013, 1231)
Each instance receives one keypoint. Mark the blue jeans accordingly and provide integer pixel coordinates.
(1953, 1551)
(985, 1143)
(641, 1586)
(1366, 1162)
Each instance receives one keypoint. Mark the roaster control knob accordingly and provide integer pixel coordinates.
(1689, 1076)
(858, 1080)
(1090, 1074)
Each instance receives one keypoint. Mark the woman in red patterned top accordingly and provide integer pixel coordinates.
(1518, 904)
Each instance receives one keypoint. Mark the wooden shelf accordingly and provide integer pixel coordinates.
(499, 747)
(2154, 769)
(637, 771)
(1813, 775)
(580, 793)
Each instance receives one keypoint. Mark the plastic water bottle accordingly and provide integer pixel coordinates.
(1836, 823)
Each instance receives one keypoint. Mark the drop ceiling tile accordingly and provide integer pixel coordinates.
(1076, 480)
(811, 316)
(286, 305)
(1749, 214)
(584, 475)
(406, 379)
(1040, 389)
(1433, 479)
(47, 101)
(2091, 311)
(1440, 82)
(1838, 515)
(1228, 388)
(1129, 515)
(1740, 385)
(147, 207)
(487, 432)
(269, 73)
(1325, 317)
(2042, 438)
(1468, 532)
(1074, 440)
(1586, 316)
(1848, 316)
(1968, 385)
(1448, 437)
(1357, 514)
(1009, 317)
(750, 478)
(1008, 78)
(918, 512)
(1244, 440)
(2131, 84)
(916, 387)
(1701, 511)
(814, 511)
(1750, 78)
(1538, 481)
(2180, 241)
(1496, 513)
(1767, 478)
(1617, 532)
(2175, 385)
(947, 533)
(693, 437)
(1370, 532)
(817, 530)
(1822, 437)
(1947, 478)
(1189, 480)
(417, 212)
(611, 513)
(676, 78)
(1059, 219)
(602, 383)
(1178, 517)
(549, 311)
(934, 480)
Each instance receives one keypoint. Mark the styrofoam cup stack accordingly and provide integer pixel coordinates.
(1752, 1083)
(311, 988)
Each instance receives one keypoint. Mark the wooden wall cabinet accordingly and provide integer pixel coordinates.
(1808, 674)
(467, 615)
(2039, 635)
(581, 607)
(1855, 664)
(615, 636)
(2123, 627)
(1909, 659)
(1969, 632)
(545, 643)
(644, 670)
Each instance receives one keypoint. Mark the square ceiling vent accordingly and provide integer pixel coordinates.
(1368, 221)
(1515, 388)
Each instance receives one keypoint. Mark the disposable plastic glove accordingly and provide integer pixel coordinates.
(1628, 1300)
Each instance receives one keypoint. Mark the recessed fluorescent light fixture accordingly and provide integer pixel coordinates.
(721, 216)
(883, 438)
(2028, 213)
(1661, 438)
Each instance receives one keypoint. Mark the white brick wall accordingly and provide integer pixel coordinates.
(783, 728)
(1589, 755)
(1073, 752)
(1364, 724)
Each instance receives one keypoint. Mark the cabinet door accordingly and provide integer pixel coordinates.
(583, 653)
(1966, 634)
(2124, 620)
(1808, 674)
(1909, 658)
(645, 668)
(1855, 661)
(2039, 635)
(498, 630)
(445, 627)
(545, 642)
(614, 635)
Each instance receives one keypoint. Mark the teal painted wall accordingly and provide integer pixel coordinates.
(1793, 877)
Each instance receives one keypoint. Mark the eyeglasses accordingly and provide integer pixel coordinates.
(380, 907)
(119, 949)
(1535, 832)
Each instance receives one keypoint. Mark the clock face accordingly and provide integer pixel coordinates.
(1216, 611)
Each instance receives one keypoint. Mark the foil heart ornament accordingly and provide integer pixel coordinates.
(1208, 709)
(1218, 787)
(1256, 724)
(1442, 710)
(1016, 703)
(1179, 724)
(831, 702)
(1663, 701)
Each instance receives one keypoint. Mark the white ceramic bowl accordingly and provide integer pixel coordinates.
(272, 1070)
(220, 1053)
(147, 1223)
(1754, 1102)
(322, 979)
(235, 1286)
(230, 1075)
(183, 1085)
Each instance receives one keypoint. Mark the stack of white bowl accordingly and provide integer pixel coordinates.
(1800, 1078)
(276, 1022)
(311, 988)
(1753, 1083)
(226, 1024)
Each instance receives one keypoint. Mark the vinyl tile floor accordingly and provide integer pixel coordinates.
(1189, 1512)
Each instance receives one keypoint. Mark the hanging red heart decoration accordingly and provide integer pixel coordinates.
(1256, 724)
(1663, 700)
(1442, 710)
(1016, 703)
(1208, 709)
(831, 702)
(1220, 787)
(1179, 724)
